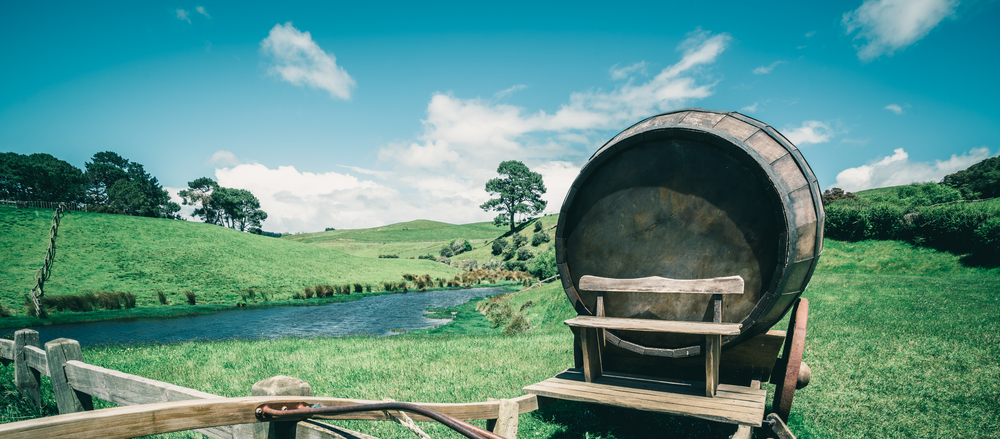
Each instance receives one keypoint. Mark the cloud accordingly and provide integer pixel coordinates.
(223, 158)
(763, 70)
(297, 59)
(750, 108)
(441, 173)
(182, 15)
(201, 10)
(897, 170)
(619, 73)
(891, 25)
(511, 90)
(811, 131)
(810, 34)
(895, 108)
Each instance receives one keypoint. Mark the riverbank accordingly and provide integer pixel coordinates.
(154, 312)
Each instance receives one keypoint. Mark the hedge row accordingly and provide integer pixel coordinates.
(960, 228)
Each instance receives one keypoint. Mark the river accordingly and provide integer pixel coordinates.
(375, 315)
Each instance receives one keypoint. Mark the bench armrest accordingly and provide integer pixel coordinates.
(646, 325)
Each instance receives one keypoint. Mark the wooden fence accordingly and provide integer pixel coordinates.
(75, 384)
(45, 205)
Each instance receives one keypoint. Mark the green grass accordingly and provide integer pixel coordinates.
(903, 342)
(141, 255)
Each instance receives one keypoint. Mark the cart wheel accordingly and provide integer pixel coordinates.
(791, 357)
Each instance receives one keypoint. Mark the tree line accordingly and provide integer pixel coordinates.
(110, 183)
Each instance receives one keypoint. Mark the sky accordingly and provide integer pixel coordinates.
(349, 115)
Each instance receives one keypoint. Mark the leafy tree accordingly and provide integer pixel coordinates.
(834, 194)
(39, 177)
(240, 209)
(519, 192)
(981, 180)
(124, 185)
(199, 193)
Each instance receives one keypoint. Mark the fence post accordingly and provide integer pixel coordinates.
(26, 379)
(278, 386)
(506, 423)
(58, 352)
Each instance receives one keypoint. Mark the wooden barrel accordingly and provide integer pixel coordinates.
(692, 194)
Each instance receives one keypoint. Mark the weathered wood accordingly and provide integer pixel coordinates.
(279, 386)
(36, 359)
(656, 284)
(779, 428)
(506, 423)
(591, 354)
(743, 431)
(58, 352)
(26, 378)
(646, 325)
(6, 351)
(733, 404)
(713, 354)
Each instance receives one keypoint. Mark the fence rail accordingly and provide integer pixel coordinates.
(75, 383)
(80, 207)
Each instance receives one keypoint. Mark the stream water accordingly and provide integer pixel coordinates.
(376, 315)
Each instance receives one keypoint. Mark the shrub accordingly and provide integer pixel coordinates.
(518, 324)
(989, 237)
(358, 288)
(981, 180)
(516, 265)
(162, 297)
(6, 312)
(298, 295)
(129, 299)
(539, 238)
(469, 264)
(523, 254)
(538, 226)
(249, 294)
(192, 298)
(388, 256)
(108, 300)
(328, 229)
(447, 252)
(519, 240)
(499, 245)
(834, 194)
(427, 256)
(460, 246)
(444, 260)
(885, 221)
(368, 288)
(543, 266)
(308, 292)
(345, 289)
(493, 264)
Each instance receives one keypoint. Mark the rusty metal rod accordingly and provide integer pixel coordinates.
(280, 412)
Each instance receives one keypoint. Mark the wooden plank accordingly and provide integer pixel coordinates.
(36, 359)
(713, 353)
(657, 284)
(732, 395)
(592, 368)
(743, 431)
(6, 350)
(506, 423)
(69, 400)
(647, 325)
(714, 409)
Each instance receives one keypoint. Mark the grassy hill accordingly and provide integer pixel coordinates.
(98, 252)
(415, 238)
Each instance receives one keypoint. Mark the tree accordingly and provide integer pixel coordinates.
(125, 186)
(199, 193)
(981, 180)
(39, 177)
(240, 209)
(520, 193)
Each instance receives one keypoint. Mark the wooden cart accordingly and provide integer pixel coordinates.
(699, 205)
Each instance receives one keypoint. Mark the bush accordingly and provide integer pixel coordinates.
(543, 266)
(298, 295)
(539, 238)
(516, 325)
(309, 292)
(989, 237)
(427, 256)
(328, 229)
(538, 226)
(388, 256)
(358, 288)
(162, 297)
(523, 254)
(519, 240)
(444, 260)
(447, 252)
(981, 180)
(129, 299)
(368, 288)
(192, 298)
(249, 294)
(516, 265)
(469, 264)
(493, 264)
(834, 194)
(499, 245)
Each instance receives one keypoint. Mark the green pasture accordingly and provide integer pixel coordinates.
(101, 252)
(905, 346)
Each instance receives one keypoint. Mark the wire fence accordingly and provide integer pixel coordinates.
(43, 273)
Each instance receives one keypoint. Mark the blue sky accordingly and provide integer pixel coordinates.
(347, 115)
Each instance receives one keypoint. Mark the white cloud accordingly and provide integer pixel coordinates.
(897, 170)
(201, 10)
(619, 73)
(750, 108)
(182, 15)
(811, 131)
(297, 59)
(810, 34)
(763, 70)
(440, 175)
(891, 25)
(223, 158)
(511, 90)
(895, 108)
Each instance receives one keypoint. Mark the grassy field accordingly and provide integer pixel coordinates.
(416, 238)
(99, 252)
(903, 342)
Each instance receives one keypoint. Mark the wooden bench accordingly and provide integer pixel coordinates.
(591, 328)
